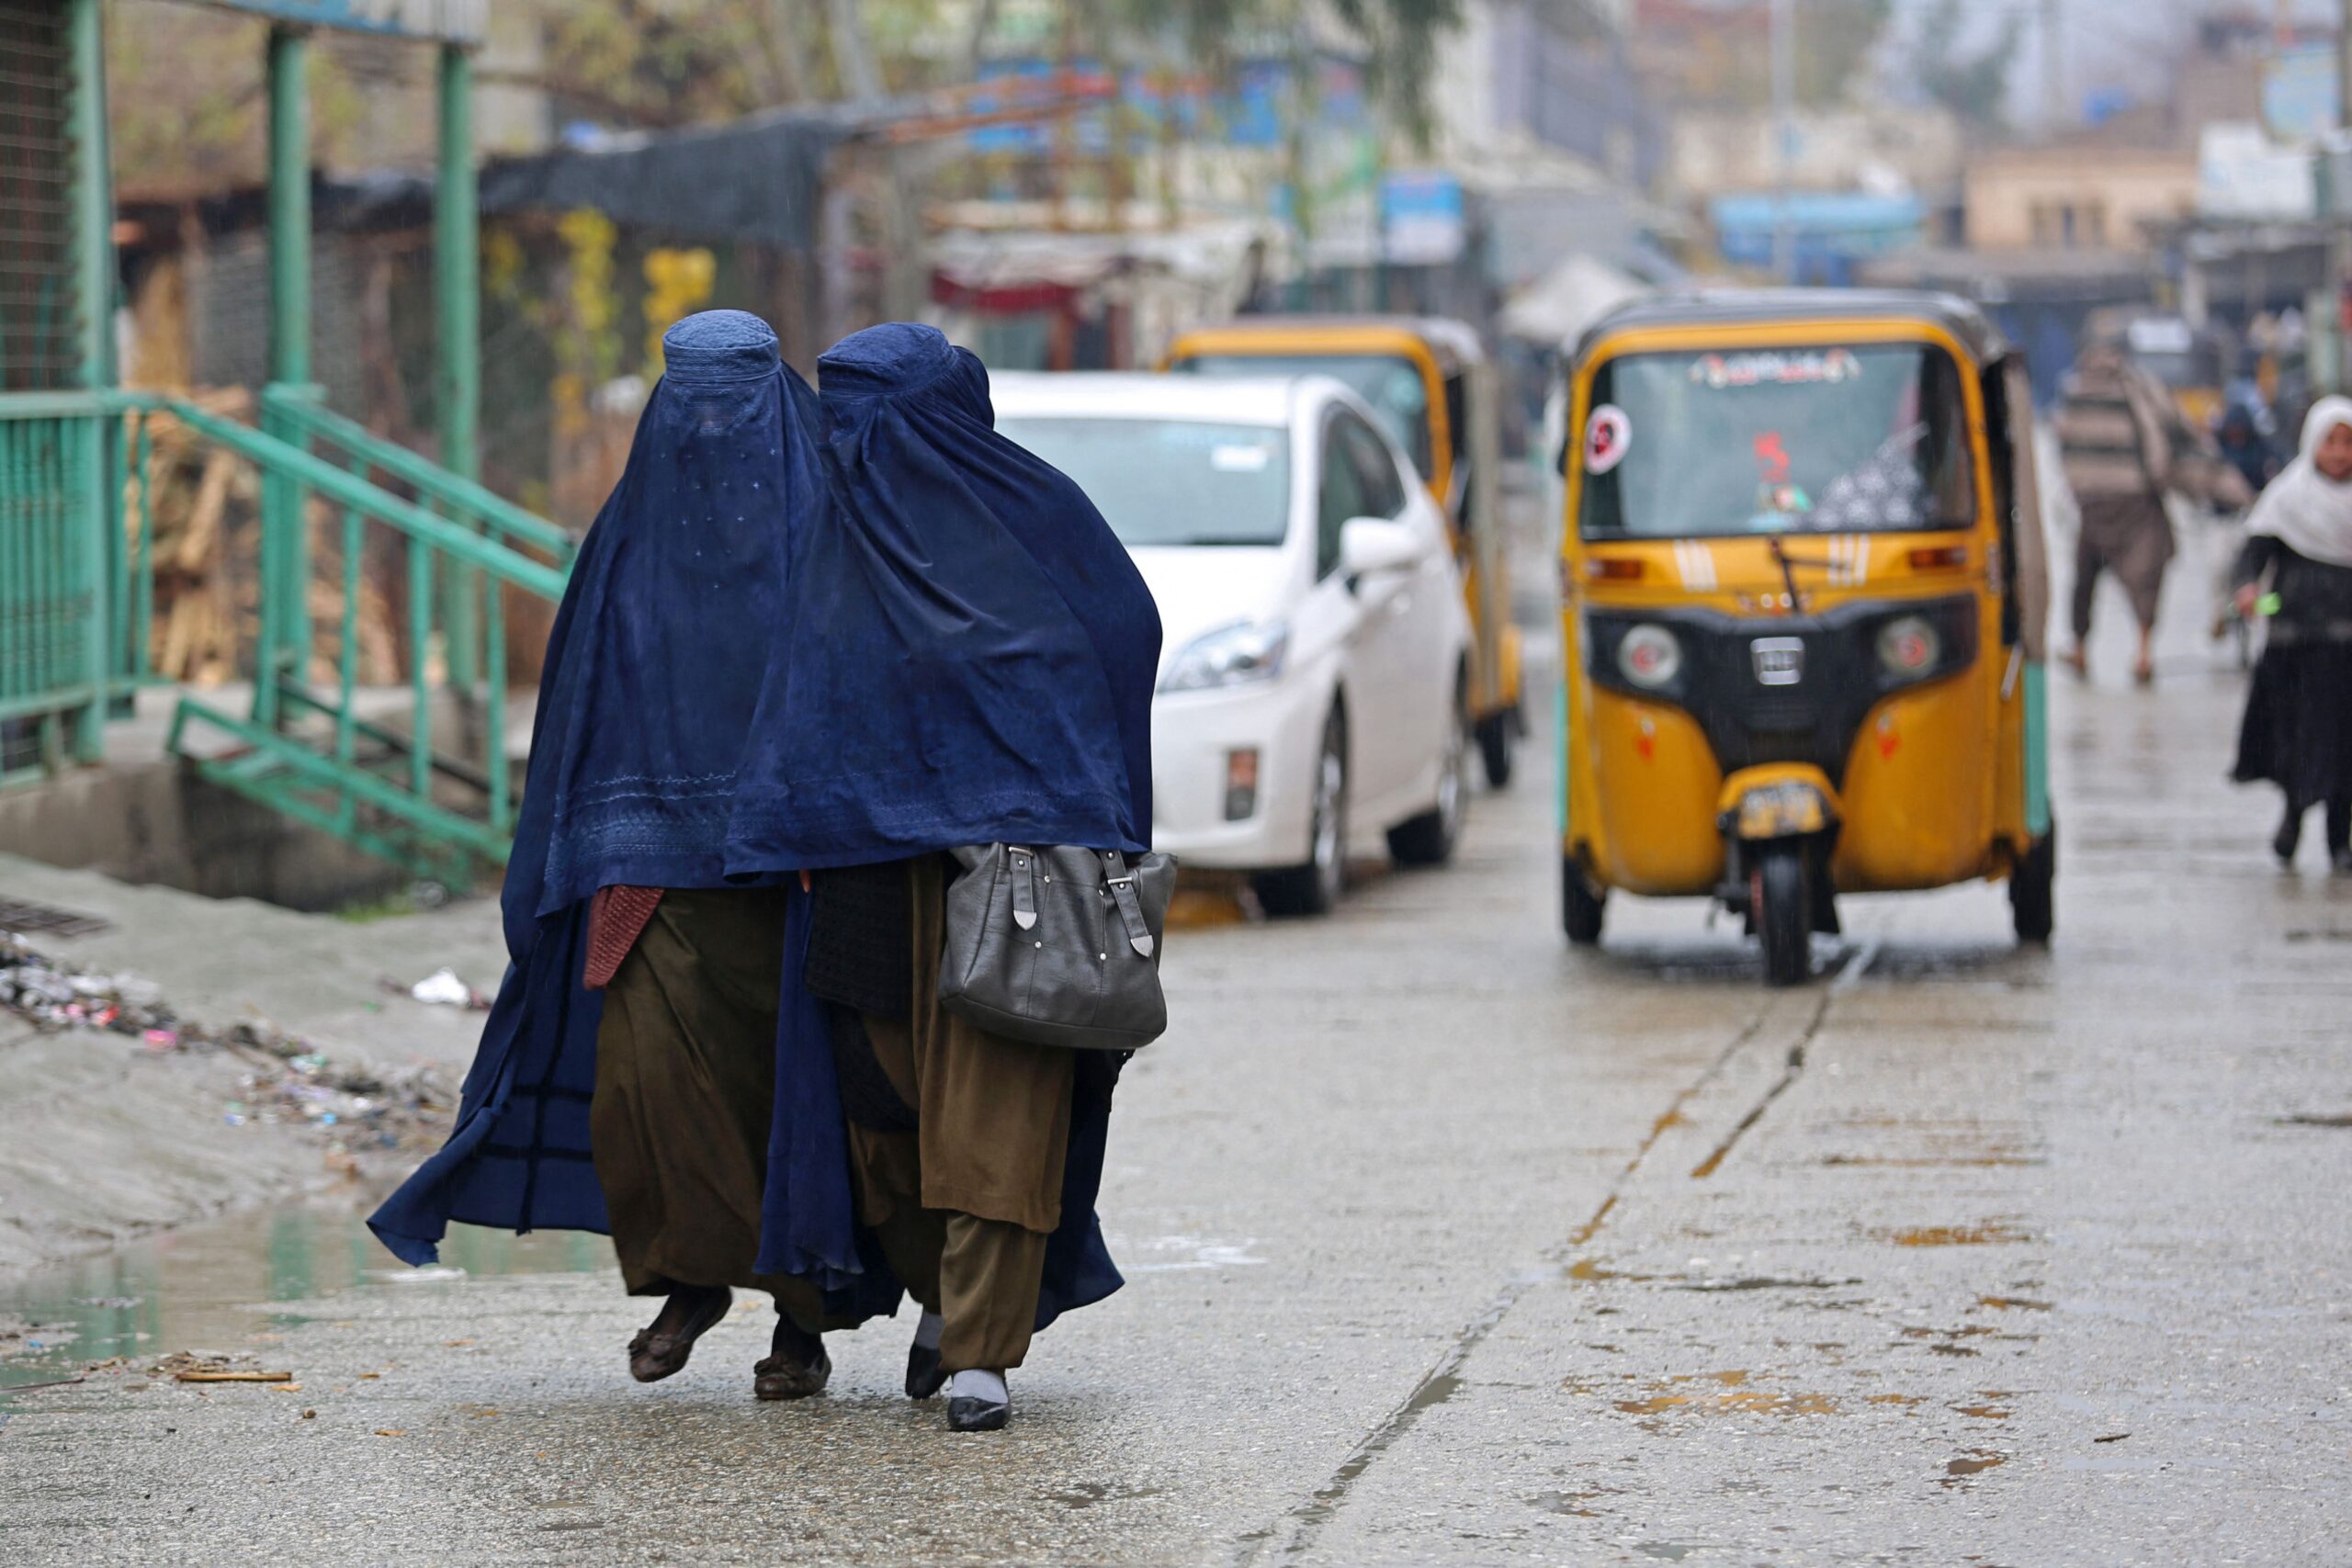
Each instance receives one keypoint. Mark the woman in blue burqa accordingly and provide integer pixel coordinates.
(660, 1063)
(971, 663)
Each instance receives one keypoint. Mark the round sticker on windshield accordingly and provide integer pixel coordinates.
(1606, 435)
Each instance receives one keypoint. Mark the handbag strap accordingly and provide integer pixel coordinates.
(1024, 886)
(1123, 893)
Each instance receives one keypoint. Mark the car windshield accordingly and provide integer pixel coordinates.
(1171, 482)
(1815, 439)
(1390, 383)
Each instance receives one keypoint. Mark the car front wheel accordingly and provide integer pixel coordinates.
(1429, 839)
(1315, 886)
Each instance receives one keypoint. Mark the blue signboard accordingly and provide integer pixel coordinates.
(1421, 218)
(447, 21)
(2298, 92)
(1246, 110)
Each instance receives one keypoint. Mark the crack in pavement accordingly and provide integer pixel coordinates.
(1444, 1380)
(1847, 977)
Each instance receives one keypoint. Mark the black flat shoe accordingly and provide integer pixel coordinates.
(2288, 838)
(653, 1356)
(924, 1376)
(978, 1415)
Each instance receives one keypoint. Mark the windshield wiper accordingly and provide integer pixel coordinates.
(1789, 564)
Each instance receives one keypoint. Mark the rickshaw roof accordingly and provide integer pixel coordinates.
(1743, 307)
(1451, 343)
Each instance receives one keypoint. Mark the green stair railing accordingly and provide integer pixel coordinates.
(437, 795)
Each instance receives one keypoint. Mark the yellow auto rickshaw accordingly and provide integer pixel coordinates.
(1429, 379)
(1804, 593)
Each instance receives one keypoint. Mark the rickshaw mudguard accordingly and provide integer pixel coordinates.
(1640, 810)
(1921, 801)
(1778, 800)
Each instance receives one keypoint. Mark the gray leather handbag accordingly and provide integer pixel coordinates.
(1059, 946)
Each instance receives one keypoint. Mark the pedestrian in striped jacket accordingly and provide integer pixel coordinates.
(2125, 447)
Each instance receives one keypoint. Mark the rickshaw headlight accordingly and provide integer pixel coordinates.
(1649, 657)
(1909, 645)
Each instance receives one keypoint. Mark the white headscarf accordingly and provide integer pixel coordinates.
(2309, 513)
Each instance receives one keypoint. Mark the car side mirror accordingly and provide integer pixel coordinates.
(1369, 545)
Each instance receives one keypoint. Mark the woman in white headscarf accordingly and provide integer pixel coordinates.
(2298, 728)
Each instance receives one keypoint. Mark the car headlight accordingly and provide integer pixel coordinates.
(1649, 657)
(1229, 656)
(1909, 645)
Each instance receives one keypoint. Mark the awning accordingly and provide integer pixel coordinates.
(1557, 307)
(758, 179)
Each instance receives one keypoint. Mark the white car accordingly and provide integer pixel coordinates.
(1313, 694)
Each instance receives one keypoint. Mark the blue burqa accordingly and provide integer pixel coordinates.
(971, 662)
(652, 677)
(965, 655)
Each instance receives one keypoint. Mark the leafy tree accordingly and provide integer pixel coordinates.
(1834, 41)
(1972, 85)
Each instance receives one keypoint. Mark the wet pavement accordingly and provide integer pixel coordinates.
(1445, 1244)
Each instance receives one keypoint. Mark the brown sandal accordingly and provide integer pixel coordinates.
(782, 1377)
(652, 1357)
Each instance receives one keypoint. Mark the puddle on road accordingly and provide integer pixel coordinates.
(1591, 1270)
(1975, 1462)
(1932, 1162)
(1731, 1396)
(210, 1286)
(1991, 1232)
(1086, 1494)
(1190, 1253)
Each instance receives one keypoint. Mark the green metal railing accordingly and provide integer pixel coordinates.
(52, 678)
(436, 795)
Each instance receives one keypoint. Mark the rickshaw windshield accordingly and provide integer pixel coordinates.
(1817, 439)
(1392, 384)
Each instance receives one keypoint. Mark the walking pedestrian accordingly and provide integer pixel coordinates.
(2298, 728)
(2244, 447)
(804, 653)
(973, 664)
(2124, 449)
(628, 1071)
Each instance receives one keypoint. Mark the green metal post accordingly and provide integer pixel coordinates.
(354, 544)
(457, 284)
(420, 647)
(285, 622)
(143, 577)
(93, 288)
(290, 208)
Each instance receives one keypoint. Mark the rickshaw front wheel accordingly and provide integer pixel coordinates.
(1497, 736)
(2033, 890)
(1581, 907)
(1781, 902)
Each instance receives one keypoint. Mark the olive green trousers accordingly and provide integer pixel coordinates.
(963, 1204)
(685, 1087)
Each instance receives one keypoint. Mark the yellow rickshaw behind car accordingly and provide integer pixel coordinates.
(1804, 590)
(1429, 382)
